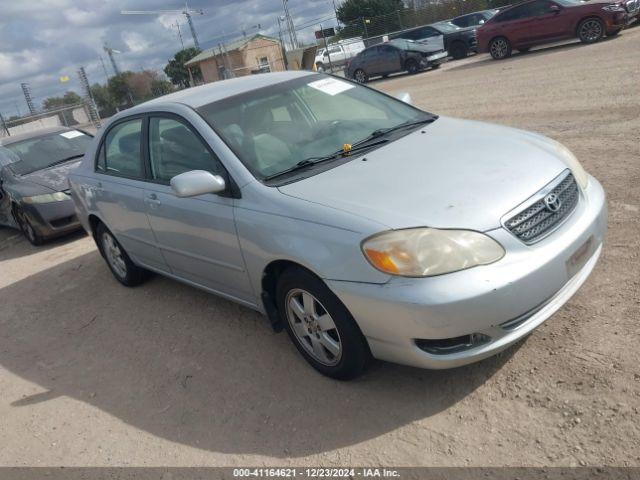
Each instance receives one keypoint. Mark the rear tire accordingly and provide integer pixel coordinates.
(360, 76)
(320, 326)
(26, 227)
(458, 51)
(412, 66)
(500, 48)
(125, 271)
(590, 30)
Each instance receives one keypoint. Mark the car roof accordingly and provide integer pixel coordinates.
(212, 92)
(34, 134)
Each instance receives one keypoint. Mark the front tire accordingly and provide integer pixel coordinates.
(500, 48)
(320, 326)
(125, 271)
(360, 76)
(590, 30)
(26, 227)
(412, 66)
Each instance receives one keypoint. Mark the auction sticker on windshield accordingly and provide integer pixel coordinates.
(72, 134)
(331, 86)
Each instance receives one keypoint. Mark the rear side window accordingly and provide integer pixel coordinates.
(120, 152)
(174, 149)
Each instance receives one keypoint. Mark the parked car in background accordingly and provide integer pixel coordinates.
(474, 19)
(34, 190)
(359, 223)
(459, 42)
(394, 56)
(337, 54)
(537, 22)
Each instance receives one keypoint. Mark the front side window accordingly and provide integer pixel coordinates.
(274, 128)
(45, 151)
(174, 149)
(120, 152)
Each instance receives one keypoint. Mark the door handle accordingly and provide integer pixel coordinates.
(152, 200)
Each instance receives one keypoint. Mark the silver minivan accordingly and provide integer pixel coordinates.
(365, 227)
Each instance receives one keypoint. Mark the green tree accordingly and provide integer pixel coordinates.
(105, 102)
(177, 72)
(119, 89)
(69, 98)
(351, 10)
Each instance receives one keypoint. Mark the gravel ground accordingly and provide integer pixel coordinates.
(92, 373)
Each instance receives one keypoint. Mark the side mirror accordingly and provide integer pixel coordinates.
(404, 97)
(554, 9)
(196, 182)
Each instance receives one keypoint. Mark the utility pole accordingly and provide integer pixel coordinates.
(26, 90)
(110, 51)
(88, 98)
(104, 68)
(187, 14)
(177, 24)
(290, 26)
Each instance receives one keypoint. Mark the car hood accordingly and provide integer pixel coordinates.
(54, 178)
(457, 174)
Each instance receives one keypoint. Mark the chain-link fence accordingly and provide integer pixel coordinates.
(78, 116)
(435, 11)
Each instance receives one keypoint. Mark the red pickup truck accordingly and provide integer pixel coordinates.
(535, 22)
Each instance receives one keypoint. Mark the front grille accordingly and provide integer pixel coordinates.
(538, 220)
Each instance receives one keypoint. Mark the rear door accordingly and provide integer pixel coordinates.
(197, 236)
(516, 24)
(117, 191)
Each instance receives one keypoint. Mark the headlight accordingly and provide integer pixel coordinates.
(424, 252)
(613, 8)
(47, 198)
(572, 162)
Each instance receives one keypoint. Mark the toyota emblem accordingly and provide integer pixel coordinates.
(552, 202)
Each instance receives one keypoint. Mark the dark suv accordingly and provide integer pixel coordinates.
(459, 42)
(543, 21)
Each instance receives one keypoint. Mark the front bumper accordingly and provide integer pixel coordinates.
(503, 301)
(53, 219)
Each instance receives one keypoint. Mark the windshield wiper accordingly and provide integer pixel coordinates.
(58, 162)
(383, 131)
(307, 162)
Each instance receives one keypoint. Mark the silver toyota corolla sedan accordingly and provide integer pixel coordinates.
(362, 225)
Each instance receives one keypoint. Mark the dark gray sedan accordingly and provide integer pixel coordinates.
(398, 55)
(33, 181)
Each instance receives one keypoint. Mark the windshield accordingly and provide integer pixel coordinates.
(569, 3)
(274, 128)
(446, 27)
(47, 150)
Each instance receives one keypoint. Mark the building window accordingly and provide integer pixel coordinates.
(263, 65)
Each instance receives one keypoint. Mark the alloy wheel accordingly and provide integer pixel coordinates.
(360, 76)
(313, 327)
(591, 30)
(499, 48)
(114, 255)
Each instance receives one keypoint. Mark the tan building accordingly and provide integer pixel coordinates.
(247, 56)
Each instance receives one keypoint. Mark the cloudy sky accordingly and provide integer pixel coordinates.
(43, 40)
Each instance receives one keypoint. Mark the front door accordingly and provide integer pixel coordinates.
(550, 21)
(197, 236)
(389, 58)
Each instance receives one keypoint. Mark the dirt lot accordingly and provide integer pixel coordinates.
(92, 373)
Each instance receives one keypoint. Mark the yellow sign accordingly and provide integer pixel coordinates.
(64, 78)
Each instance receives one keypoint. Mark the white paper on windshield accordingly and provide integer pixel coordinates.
(331, 86)
(71, 134)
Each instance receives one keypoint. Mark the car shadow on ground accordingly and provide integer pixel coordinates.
(485, 59)
(13, 244)
(196, 369)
